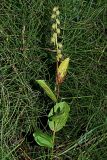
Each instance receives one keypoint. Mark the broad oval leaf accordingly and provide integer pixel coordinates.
(58, 115)
(43, 139)
(47, 89)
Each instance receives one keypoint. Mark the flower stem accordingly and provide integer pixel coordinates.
(52, 154)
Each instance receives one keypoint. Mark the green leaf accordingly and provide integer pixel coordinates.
(62, 70)
(43, 139)
(63, 67)
(58, 115)
(47, 89)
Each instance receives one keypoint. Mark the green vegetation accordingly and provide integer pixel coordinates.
(26, 55)
(59, 113)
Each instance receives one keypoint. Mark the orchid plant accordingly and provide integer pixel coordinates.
(58, 115)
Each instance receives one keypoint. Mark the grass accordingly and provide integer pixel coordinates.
(25, 31)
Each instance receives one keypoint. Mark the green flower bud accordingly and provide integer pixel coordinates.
(60, 45)
(54, 26)
(55, 9)
(57, 21)
(59, 56)
(57, 12)
(54, 35)
(58, 51)
(58, 31)
(53, 16)
(52, 39)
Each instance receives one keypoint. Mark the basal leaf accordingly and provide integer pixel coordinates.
(58, 115)
(47, 89)
(43, 139)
